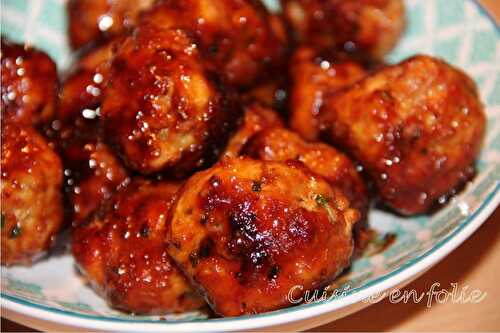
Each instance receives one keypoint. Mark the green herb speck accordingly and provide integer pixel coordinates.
(321, 200)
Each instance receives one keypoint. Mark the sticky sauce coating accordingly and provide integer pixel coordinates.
(92, 170)
(238, 38)
(280, 144)
(32, 208)
(121, 251)
(313, 76)
(162, 109)
(98, 20)
(245, 232)
(416, 127)
(256, 119)
(371, 27)
(29, 84)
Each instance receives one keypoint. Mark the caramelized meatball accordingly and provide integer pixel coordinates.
(255, 119)
(96, 20)
(416, 127)
(92, 170)
(246, 232)
(84, 87)
(371, 27)
(162, 109)
(313, 75)
(93, 174)
(121, 251)
(29, 84)
(32, 210)
(238, 37)
(279, 144)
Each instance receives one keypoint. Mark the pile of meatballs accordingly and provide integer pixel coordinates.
(209, 152)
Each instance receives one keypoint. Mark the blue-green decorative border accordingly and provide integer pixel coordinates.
(405, 266)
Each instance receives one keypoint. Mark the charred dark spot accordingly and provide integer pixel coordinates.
(2, 221)
(273, 272)
(16, 231)
(119, 64)
(213, 48)
(203, 219)
(144, 231)
(256, 186)
(193, 259)
(242, 221)
(206, 247)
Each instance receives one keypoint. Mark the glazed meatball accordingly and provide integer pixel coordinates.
(97, 20)
(92, 170)
(162, 109)
(32, 210)
(29, 84)
(246, 231)
(121, 251)
(255, 119)
(370, 27)
(239, 38)
(93, 173)
(279, 144)
(313, 75)
(83, 88)
(416, 127)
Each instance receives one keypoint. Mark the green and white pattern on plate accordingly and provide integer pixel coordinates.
(458, 31)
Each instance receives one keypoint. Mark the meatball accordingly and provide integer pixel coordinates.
(246, 232)
(162, 109)
(239, 38)
(313, 75)
(279, 144)
(93, 171)
(255, 119)
(83, 88)
(416, 127)
(97, 20)
(32, 210)
(29, 84)
(121, 251)
(371, 27)
(93, 174)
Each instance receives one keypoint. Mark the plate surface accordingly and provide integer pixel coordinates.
(50, 295)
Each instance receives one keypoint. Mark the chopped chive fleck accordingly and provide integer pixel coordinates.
(321, 200)
(16, 231)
